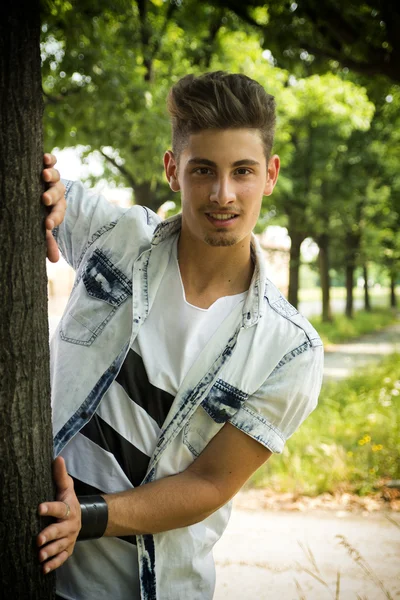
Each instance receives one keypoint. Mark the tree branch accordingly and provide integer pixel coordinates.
(121, 168)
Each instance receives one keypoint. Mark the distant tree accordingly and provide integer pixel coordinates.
(322, 114)
(25, 424)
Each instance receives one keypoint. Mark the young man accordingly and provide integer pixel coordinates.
(177, 368)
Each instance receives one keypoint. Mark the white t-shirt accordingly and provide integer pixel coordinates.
(111, 453)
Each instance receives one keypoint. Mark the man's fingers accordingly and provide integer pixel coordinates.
(56, 216)
(51, 550)
(53, 509)
(55, 562)
(51, 175)
(53, 253)
(61, 478)
(49, 160)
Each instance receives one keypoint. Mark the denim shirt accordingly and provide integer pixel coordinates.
(261, 371)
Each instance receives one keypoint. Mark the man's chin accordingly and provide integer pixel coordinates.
(220, 239)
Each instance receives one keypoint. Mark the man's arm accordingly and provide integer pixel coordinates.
(189, 497)
(169, 503)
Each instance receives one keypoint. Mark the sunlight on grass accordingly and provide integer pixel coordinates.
(350, 442)
(343, 329)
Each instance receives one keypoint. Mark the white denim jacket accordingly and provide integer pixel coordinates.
(261, 371)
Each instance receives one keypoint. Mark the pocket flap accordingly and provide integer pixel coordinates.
(104, 281)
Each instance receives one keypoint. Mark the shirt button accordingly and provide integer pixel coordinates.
(84, 414)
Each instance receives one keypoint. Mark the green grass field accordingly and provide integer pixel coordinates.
(343, 329)
(350, 442)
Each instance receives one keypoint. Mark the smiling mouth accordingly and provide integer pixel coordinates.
(221, 217)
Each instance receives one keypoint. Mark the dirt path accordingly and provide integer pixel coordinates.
(342, 359)
(264, 552)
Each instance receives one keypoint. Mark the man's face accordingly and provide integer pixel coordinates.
(222, 177)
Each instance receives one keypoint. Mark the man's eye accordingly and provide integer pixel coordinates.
(202, 171)
(243, 171)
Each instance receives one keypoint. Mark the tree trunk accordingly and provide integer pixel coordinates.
(349, 290)
(367, 302)
(393, 300)
(294, 267)
(145, 195)
(323, 263)
(25, 423)
(352, 246)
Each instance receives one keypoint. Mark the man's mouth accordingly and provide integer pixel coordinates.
(222, 216)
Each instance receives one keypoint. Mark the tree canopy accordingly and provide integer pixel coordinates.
(332, 67)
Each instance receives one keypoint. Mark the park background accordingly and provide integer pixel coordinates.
(330, 230)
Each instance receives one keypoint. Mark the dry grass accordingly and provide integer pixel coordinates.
(355, 555)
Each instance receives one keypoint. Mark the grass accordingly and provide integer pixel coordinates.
(343, 329)
(358, 559)
(351, 442)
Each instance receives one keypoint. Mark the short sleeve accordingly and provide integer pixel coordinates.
(287, 397)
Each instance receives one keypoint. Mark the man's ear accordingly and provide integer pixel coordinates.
(171, 171)
(274, 164)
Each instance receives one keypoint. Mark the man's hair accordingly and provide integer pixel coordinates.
(220, 100)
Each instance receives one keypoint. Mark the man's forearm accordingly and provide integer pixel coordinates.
(168, 503)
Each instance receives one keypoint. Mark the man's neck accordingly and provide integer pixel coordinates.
(212, 272)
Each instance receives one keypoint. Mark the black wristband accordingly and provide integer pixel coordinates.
(94, 517)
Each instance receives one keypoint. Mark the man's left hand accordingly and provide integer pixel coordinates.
(57, 541)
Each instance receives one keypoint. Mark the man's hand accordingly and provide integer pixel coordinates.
(54, 199)
(57, 541)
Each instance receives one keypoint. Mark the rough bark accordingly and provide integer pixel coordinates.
(294, 266)
(323, 263)
(367, 301)
(25, 422)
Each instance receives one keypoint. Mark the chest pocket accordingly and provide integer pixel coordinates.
(94, 301)
(220, 405)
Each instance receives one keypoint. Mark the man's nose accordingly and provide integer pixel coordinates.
(223, 191)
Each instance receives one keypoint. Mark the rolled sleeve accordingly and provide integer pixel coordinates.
(284, 401)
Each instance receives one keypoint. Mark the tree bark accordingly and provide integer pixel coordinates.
(25, 422)
(323, 263)
(367, 302)
(294, 266)
(393, 299)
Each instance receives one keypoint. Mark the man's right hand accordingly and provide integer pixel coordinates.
(54, 199)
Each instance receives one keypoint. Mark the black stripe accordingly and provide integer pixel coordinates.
(84, 489)
(133, 378)
(132, 461)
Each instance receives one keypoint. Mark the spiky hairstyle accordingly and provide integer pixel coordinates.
(220, 100)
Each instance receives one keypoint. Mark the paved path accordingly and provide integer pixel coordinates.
(263, 553)
(342, 359)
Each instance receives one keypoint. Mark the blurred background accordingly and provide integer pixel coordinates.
(330, 231)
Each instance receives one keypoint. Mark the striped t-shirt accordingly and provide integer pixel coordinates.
(111, 453)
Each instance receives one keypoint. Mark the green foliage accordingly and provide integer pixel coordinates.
(342, 329)
(351, 441)
(335, 34)
(107, 69)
